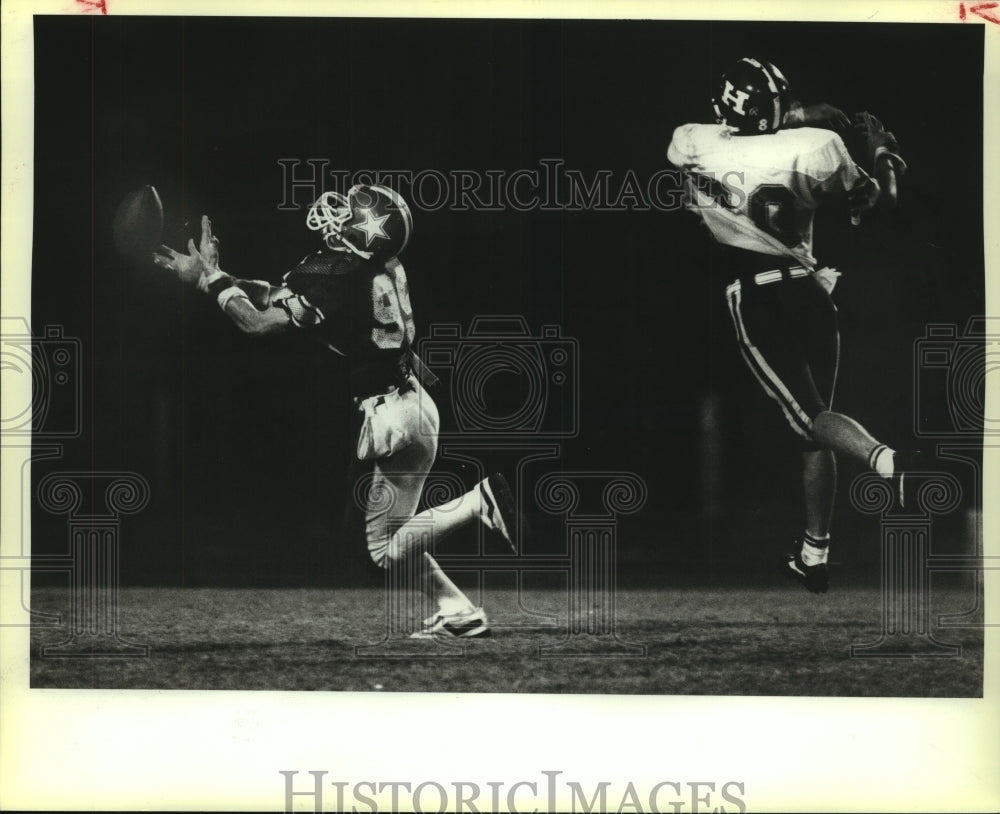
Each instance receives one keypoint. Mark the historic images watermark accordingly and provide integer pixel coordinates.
(549, 792)
(549, 187)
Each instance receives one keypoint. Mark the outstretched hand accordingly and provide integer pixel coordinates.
(189, 267)
(209, 247)
(195, 266)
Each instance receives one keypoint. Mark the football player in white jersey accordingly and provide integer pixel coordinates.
(353, 296)
(755, 178)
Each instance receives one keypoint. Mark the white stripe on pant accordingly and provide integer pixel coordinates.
(762, 371)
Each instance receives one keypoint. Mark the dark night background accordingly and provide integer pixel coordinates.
(245, 442)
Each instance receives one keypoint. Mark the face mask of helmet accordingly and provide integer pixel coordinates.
(327, 216)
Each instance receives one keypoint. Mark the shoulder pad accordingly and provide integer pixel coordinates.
(681, 149)
(691, 142)
(315, 268)
(821, 152)
(324, 262)
(322, 277)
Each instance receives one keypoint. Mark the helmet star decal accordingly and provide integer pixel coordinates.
(372, 227)
(377, 212)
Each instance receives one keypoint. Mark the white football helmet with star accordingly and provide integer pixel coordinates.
(371, 221)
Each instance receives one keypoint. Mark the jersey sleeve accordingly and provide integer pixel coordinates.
(323, 281)
(299, 309)
(827, 171)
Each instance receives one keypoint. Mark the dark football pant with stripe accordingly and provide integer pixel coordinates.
(787, 332)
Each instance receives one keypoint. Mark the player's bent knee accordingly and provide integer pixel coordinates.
(821, 417)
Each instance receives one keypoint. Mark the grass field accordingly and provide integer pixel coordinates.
(702, 640)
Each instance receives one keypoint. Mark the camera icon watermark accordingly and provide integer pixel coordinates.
(42, 409)
(951, 370)
(41, 382)
(503, 383)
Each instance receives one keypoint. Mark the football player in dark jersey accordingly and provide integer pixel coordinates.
(353, 296)
(755, 178)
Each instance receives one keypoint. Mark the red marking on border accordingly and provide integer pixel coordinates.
(961, 12)
(92, 6)
(980, 10)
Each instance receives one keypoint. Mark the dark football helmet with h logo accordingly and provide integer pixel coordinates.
(371, 221)
(753, 97)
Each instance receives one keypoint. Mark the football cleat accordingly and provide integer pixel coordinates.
(753, 97)
(372, 221)
(816, 578)
(499, 511)
(468, 625)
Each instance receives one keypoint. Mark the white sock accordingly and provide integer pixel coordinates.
(484, 505)
(882, 459)
(449, 606)
(815, 549)
(450, 599)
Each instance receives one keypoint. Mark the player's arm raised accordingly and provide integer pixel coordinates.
(880, 186)
(252, 305)
(877, 150)
(236, 303)
(818, 115)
